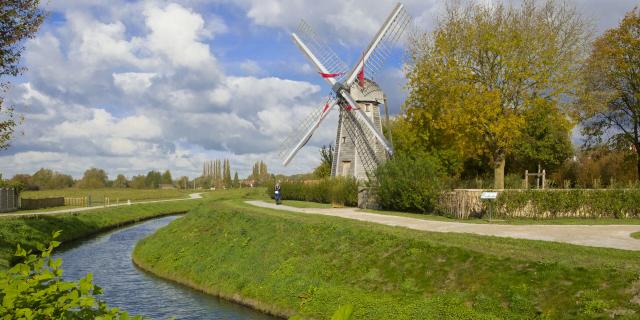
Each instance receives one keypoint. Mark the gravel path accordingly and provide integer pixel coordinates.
(608, 236)
(63, 211)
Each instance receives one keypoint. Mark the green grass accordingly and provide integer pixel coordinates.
(635, 235)
(29, 231)
(289, 263)
(114, 194)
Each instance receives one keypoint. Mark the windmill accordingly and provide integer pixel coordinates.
(360, 145)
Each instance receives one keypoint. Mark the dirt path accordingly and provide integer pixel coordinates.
(45, 213)
(608, 236)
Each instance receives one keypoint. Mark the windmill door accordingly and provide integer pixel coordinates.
(346, 168)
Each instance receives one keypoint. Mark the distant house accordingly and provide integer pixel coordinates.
(166, 186)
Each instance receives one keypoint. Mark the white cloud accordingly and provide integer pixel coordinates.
(133, 82)
(251, 67)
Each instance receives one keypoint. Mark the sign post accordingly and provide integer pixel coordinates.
(489, 197)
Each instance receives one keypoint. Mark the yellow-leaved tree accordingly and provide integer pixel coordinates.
(609, 107)
(473, 78)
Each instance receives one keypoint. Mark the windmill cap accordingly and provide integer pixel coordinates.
(370, 93)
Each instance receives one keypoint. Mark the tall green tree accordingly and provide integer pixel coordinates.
(120, 182)
(609, 107)
(138, 182)
(236, 180)
(19, 20)
(473, 78)
(326, 161)
(93, 178)
(166, 177)
(153, 179)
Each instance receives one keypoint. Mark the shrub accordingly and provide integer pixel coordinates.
(34, 289)
(574, 203)
(410, 184)
(341, 190)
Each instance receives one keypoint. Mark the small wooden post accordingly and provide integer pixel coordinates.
(526, 179)
(544, 173)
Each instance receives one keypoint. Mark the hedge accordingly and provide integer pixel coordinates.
(571, 203)
(339, 190)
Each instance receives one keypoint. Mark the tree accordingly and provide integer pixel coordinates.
(138, 182)
(166, 177)
(46, 179)
(236, 180)
(326, 157)
(183, 182)
(120, 182)
(227, 174)
(471, 80)
(93, 178)
(19, 20)
(545, 139)
(609, 107)
(153, 179)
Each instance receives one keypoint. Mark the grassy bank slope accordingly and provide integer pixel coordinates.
(30, 231)
(288, 263)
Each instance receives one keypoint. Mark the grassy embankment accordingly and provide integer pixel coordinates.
(288, 263)
(30, 231)
(635, 235)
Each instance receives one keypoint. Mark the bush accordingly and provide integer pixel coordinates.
(573, 203)
(408, 184)
(34, 289)
(340, 190)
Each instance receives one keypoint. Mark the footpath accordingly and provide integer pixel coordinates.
(607, 236)
(73, 210)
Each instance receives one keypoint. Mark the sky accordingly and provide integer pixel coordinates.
(132, 86)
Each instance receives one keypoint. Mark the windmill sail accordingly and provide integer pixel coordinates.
(327, 57)
(304, 131)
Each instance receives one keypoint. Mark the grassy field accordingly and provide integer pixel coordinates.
(636, 235)
(28, 232)
(114, 194)
(288, 264)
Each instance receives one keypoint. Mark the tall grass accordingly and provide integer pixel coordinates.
(338, 190)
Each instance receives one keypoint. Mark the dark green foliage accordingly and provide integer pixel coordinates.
(309, 265)
(326, 157)
(338, 190)
(166, 177)
(153, 179)
(575, 203)
(34, 289)
(93, 178)
(410, 184)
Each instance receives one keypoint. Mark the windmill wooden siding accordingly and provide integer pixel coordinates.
(347, 161)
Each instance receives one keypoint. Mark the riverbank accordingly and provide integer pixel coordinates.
(31, 230)
(286, 263)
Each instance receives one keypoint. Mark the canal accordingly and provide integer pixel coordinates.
(108, 257)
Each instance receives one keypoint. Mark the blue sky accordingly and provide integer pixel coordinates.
(131, 86)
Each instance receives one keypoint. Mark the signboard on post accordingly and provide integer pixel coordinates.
(488, 195)
(491, 197)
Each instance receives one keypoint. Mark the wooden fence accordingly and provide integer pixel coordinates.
(31, 204)
(9, 200)
(78, 202)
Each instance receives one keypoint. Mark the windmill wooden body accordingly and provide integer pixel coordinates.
(360, 144)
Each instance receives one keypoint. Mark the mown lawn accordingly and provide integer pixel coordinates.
(636, 235)
(289, 263)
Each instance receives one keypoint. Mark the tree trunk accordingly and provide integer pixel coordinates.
(498, 172)
(638, 162)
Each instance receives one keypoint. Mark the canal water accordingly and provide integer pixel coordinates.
(108, 257)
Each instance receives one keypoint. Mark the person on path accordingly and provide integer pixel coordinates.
(278, 193)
